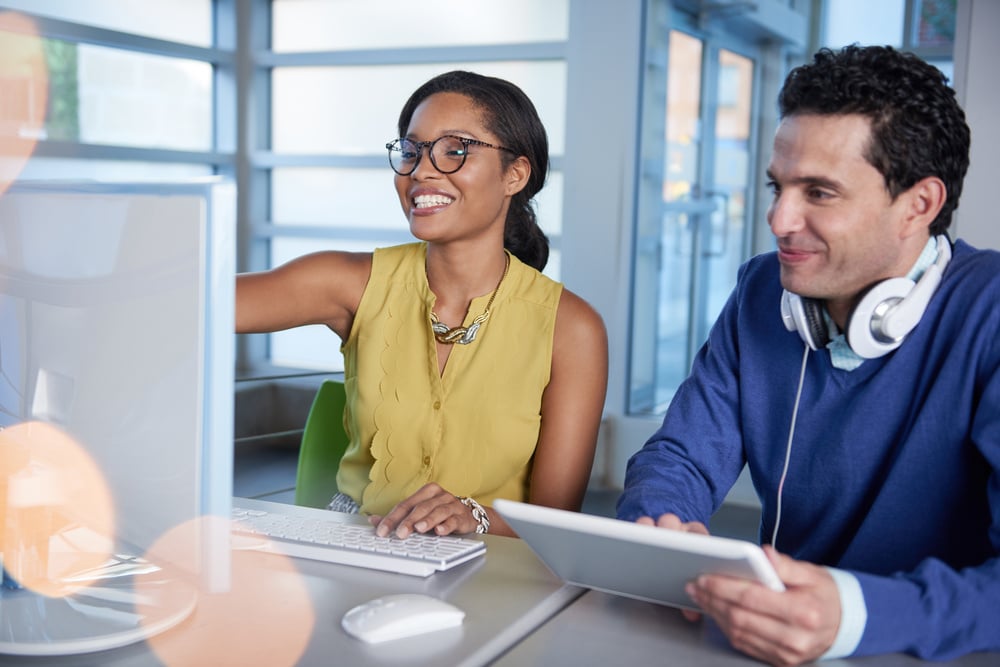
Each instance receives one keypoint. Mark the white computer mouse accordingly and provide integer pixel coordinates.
(401, 615)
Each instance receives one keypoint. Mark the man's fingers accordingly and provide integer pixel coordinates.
(669, 521)
(789, 570)
(782, 628)
(673, 522)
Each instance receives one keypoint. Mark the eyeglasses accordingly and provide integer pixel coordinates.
(447, 153)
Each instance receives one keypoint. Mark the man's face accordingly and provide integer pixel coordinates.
(838, 230)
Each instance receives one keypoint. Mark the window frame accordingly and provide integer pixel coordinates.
(220, 59)
(258, 159)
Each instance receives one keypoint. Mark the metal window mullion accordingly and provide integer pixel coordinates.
(225, 80)
(76, 32)
(74, 150)
(271, 160)
(416, 55)
(270, 230)
(252, 134)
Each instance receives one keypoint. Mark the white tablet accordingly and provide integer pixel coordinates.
(630, 559)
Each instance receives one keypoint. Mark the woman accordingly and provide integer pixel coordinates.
(469, 375)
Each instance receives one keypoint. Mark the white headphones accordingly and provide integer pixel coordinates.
(887, 312)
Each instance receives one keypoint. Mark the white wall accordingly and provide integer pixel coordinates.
(977, 52)
(600, 160)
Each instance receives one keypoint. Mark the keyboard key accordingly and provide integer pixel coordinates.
(334, 541)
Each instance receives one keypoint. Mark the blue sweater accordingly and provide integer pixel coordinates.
(895, 466)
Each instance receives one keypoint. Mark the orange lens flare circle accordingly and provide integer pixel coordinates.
(24, 93)
(254, 609)
(56, 509)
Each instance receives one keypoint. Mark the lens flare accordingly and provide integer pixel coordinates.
(56, 509)
(252, 610)
(24, 92)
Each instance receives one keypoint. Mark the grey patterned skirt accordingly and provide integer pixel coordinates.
(343, 503)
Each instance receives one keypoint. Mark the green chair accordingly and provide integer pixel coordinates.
(324, 442)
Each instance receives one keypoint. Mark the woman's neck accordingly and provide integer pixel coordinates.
(458, 278)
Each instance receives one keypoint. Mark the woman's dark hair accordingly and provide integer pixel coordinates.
(917, 127)
(510, 115)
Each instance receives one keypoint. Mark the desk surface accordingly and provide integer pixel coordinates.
(506, 595)
(601, 629)
(517, 614)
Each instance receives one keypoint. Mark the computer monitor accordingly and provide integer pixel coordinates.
(116, 332)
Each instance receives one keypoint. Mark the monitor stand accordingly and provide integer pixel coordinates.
(100, 616)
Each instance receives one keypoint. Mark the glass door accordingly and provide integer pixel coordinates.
(693, 227)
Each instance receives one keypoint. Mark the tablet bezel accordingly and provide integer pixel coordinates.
(630, 559)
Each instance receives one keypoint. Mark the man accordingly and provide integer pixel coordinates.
(876, 454)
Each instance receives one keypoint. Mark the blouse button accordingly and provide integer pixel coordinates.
(437, 405)
(427, 461)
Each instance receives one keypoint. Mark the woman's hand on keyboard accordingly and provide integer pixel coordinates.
(431, 508)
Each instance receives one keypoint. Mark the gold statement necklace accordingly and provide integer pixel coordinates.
(465, 335)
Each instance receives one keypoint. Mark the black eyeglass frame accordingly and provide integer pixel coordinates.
(394, 145)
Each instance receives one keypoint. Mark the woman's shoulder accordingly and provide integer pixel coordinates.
(417, 249)
(572, 312)
(531, 284)
(577, 320)
(391, 260)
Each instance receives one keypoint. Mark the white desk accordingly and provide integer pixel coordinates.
(517, 615)
(506, 595)
(601, 629)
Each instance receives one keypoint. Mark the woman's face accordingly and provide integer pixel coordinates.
(467, 203)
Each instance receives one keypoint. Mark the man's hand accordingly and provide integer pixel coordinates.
(673, 522)
(781, 628)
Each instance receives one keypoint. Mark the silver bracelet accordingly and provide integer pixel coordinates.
(478, 513)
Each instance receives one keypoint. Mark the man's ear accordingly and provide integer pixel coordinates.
(517, 175)
(924, 201)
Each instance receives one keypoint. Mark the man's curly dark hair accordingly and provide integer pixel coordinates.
(917, 127)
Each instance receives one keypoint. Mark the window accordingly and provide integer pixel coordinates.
(338, 25)
(185, 21)
(339, 72)
(925, 27)
(130, 89)
(149, 91)
(700, 203)
(695, 194)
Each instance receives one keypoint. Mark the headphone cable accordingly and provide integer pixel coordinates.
(788, 447)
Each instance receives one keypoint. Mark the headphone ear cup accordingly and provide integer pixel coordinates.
(865, 333)
(890, 310)
(818, 331)
(805, 316)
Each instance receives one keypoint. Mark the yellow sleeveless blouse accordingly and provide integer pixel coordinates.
(474, 429)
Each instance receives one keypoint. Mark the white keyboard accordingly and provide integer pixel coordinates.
(334, 541)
